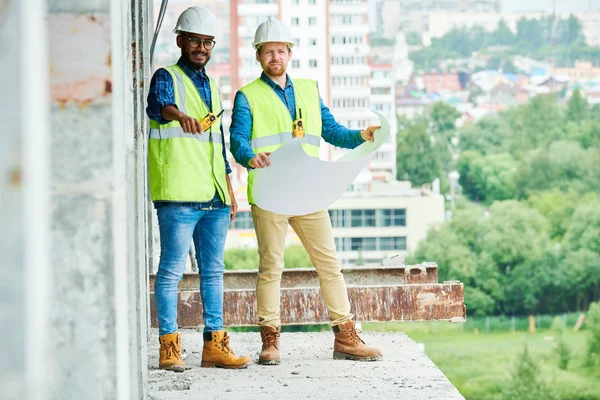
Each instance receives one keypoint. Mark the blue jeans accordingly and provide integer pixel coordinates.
(178, 224)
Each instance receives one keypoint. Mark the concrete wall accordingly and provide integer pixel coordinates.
(24, 267)
(98, 307)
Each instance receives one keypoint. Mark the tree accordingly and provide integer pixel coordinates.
(562, 349)
(513, 234)
(593, 324)
(488, 135)
(419, 158)
(488, 178)
(413, 38)
(503, 35)
(444, 117)
(558, 207)
(577, 107)
(570, 31)
(581, 246)
(526, 383)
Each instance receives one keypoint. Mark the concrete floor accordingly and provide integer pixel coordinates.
(307, 371)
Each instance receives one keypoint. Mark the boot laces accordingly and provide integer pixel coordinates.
(172, 351)
(353, 334)
(270, 339)
(225, 345)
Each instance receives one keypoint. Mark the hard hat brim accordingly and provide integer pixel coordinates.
(257, 45)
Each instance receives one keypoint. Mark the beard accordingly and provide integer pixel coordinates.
(275, 69)
(192, 60)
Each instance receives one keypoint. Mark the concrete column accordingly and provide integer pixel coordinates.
(97, 314)
(24, 202)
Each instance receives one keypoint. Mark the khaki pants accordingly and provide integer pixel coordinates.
(314, 230)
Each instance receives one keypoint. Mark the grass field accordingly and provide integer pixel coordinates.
(480, 365)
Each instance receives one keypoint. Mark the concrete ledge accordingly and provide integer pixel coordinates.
(308, 371)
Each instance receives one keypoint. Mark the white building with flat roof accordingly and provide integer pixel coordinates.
(392, 218)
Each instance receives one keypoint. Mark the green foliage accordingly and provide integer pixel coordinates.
(419, 156)
(558, 207)
(488, 178)
(503, 35)
(413, 38)
(593, 325)
(563, 352)
(443, 117)
(577, 108)
(534, 38)
(241, 259)
(294, 257)
(526, 383)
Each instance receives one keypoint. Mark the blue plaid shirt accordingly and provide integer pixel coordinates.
(162, 94)
(241, 123)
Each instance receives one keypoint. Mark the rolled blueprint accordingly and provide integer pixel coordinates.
(297, 184)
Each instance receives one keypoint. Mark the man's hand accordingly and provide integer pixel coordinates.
(369, 133)
(234, 206)
(189, 124)
(260, 161)
(233, 209)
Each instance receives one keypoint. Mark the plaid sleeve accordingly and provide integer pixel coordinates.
(160, 95)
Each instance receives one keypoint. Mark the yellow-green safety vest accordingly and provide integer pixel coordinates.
(272, 124)
(183, 166)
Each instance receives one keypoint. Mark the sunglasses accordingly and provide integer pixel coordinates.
(195, 42)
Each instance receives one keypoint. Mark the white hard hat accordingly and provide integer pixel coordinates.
(199, 20)
(272, 30)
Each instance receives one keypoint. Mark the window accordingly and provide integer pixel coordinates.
(243, 220)
(312, 2)
(369, 217)
(295, 1)
(295, 21)
(312, 21)
(312, 42)
(392, 217)
(380, 90)
(296, 42)
(392, 243)
(312, 63)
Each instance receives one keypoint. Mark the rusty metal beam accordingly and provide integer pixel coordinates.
(307, 277)
(383, 294)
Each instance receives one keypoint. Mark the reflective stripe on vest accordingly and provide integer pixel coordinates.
(272, 123)
(186, 167)
(177, 132)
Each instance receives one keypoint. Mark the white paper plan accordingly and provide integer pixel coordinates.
(298, 184)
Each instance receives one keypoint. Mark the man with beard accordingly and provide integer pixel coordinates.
(262, 121)
(189, 184)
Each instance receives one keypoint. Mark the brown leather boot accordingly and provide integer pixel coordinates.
(270, 348)
(170, 352)
(349, 346)
(217, 353)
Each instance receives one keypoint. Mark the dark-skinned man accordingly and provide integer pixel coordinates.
(192, 193)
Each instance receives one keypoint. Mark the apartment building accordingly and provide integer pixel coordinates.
(383, 99)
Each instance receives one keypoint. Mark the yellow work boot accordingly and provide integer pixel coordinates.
(170, 352)
(349, 346)
(269, 354)
(217, 353)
